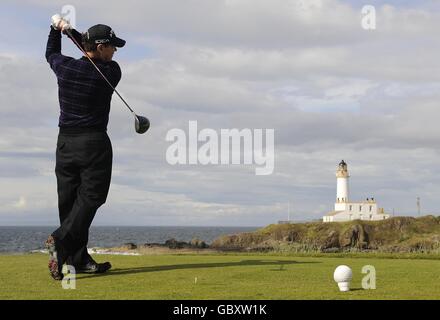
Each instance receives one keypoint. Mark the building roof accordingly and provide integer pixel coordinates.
(333, 213)
(359, 202)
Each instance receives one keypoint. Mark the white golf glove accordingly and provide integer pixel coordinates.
(59, 23)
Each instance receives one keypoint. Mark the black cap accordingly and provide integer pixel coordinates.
(101, 33)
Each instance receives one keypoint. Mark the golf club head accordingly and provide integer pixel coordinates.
(141, 124)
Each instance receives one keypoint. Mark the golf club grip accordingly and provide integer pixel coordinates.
(96, 67)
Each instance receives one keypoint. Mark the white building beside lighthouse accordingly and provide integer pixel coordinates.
(346, 210)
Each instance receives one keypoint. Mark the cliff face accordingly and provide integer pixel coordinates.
(399, 234)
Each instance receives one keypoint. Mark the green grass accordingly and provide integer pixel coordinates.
(222, 276)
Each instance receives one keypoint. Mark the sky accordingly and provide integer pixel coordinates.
(330, 89)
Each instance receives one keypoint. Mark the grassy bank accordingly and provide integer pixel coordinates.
(394, 235)
(222, 276)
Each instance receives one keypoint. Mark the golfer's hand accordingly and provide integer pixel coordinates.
(59, 23)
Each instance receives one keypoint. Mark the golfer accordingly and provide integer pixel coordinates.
(84, 151)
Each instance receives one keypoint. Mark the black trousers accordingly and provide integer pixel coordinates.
(83, 170)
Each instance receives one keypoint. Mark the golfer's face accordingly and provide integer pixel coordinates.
(107, 52)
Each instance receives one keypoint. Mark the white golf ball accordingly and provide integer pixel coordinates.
(343, 276)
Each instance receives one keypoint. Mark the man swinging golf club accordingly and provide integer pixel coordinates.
(84, 151)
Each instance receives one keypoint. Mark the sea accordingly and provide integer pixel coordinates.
(29, 239)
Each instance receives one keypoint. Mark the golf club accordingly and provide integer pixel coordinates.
(141, 124)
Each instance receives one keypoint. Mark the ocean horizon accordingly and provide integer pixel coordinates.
(24, 239)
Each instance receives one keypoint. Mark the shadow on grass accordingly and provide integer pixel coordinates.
(243, 263)
(357, 289)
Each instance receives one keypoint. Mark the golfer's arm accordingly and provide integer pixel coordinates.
(53, 50)
(77, 36)
(53, 43)
(113, 73)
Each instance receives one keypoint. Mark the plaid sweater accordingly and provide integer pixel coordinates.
(83, 94)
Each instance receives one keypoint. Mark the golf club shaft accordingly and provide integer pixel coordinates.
(96, 67)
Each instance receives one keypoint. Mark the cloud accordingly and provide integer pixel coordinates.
(21, 203)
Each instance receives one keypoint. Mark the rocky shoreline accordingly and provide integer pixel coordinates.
(399, 234)
(169, 247)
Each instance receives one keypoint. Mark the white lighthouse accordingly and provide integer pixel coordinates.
(342, 194)
(345, 210)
